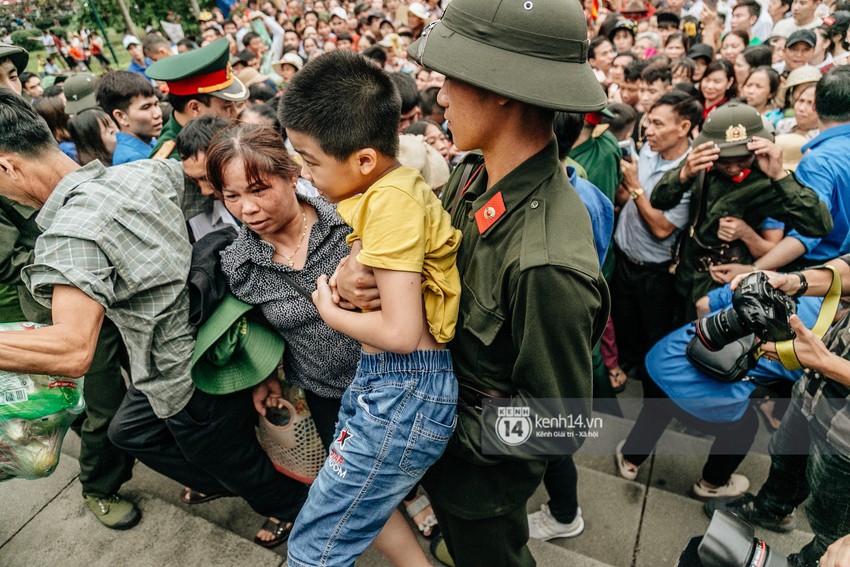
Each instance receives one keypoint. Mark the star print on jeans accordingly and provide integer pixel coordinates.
(344, 436)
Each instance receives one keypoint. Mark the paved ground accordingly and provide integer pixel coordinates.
(642, 523)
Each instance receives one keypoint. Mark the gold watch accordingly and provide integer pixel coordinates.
(636, 193)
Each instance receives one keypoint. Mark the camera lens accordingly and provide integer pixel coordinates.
(720, 329)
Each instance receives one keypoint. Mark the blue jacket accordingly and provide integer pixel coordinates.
(129, 148)
(599, 208)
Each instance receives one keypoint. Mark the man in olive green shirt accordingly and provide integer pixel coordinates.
(533, 300)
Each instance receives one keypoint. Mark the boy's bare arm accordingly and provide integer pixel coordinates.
(397, 327)
(353, 284)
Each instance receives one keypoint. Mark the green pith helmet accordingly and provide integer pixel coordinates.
(19, 56)
(200, 71)
(534, 51)
(731, 127)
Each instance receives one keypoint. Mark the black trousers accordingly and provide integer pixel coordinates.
(561, 482)
(732, 441)
(642, 306)
(210, 446)
(325, 413)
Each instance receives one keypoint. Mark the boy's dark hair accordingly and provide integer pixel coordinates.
(633, 71)
(428, 101)
(567, 127)
(116, 90)
(26, 76)
(22, 130)
(657, 72)
(268, 113)
(345, 103)
(684, 105)
(187, 43)
(377, 54)
(52, 90)
(752, 7)
(406, 87)
(594, 43)
(687, 88)
(179, 102)
(246, 39)
(624, 118)
(261, 91)
(832, 94)
(195, 136)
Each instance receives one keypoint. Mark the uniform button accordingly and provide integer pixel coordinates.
(534, 204)
(471, 216)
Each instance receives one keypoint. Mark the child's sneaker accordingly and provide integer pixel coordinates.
(737, 485)
(542, 525)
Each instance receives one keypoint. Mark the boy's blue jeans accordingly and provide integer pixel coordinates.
(395, 421)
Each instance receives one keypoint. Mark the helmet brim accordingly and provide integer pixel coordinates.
(556, 85)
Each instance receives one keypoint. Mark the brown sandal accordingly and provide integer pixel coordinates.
(280, 530)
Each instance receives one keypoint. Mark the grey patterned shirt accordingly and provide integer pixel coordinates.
(317, 358)
(119, 236)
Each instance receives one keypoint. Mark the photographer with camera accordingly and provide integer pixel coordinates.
(810, 452)
(734, 171)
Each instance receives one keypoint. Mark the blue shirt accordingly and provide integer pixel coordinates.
(600, 209)
(698, 393)
(826, 169)
(136, 68)
(633, 236)
(130, 148)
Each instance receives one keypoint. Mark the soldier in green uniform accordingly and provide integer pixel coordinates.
(534, 301)
(199, 82)
(736, 179)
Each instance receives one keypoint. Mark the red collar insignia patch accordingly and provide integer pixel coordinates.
(492, 211)
(344, 436)
(742, 176)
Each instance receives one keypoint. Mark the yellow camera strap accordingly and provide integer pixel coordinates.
(785, 349)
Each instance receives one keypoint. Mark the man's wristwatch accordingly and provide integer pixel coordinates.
(636, 193)
(804, 285)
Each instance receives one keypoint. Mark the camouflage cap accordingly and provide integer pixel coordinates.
(534, 51)
(731, 127)
(18, 55)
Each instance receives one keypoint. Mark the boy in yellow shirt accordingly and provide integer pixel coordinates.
(341, 115)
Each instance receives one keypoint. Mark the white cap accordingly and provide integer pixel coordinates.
(339, 13)
(130, 40)
(418, 10)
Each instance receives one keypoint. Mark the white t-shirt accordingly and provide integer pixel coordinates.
(788, 26)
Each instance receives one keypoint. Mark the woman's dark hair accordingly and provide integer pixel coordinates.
(260, 148)
(52, 109)
(419, 127)
(757, 56)
(772, 78)
(684, 63)
(726, 67)
(680, 36)
(267, 113)
(744, 36)
(85, 133)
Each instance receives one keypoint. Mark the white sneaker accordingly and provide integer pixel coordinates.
(542, 525)
(737, 485)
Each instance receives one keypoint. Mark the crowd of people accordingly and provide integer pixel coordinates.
(300, 154)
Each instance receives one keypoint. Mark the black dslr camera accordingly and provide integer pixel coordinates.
(730, 542)
(757, 308)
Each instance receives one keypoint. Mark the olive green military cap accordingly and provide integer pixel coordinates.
(534, 51)
(18, 55)
(732, 126)
(200, 71)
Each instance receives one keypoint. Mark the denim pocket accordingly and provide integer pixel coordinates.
(427, 441)
(379, 404)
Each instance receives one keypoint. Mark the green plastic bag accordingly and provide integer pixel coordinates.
(35, 413)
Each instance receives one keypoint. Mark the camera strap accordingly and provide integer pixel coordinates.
(785, 349)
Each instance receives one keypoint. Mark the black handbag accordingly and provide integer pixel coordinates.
(729, 364)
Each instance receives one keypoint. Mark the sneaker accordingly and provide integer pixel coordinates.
(745, 508)
(542, 525)
(627, 470)
(114, 512)
(736, 486)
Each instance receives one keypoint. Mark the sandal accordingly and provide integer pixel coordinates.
(190, 496)
(280, 530)
(627, 470)
(428, 527)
